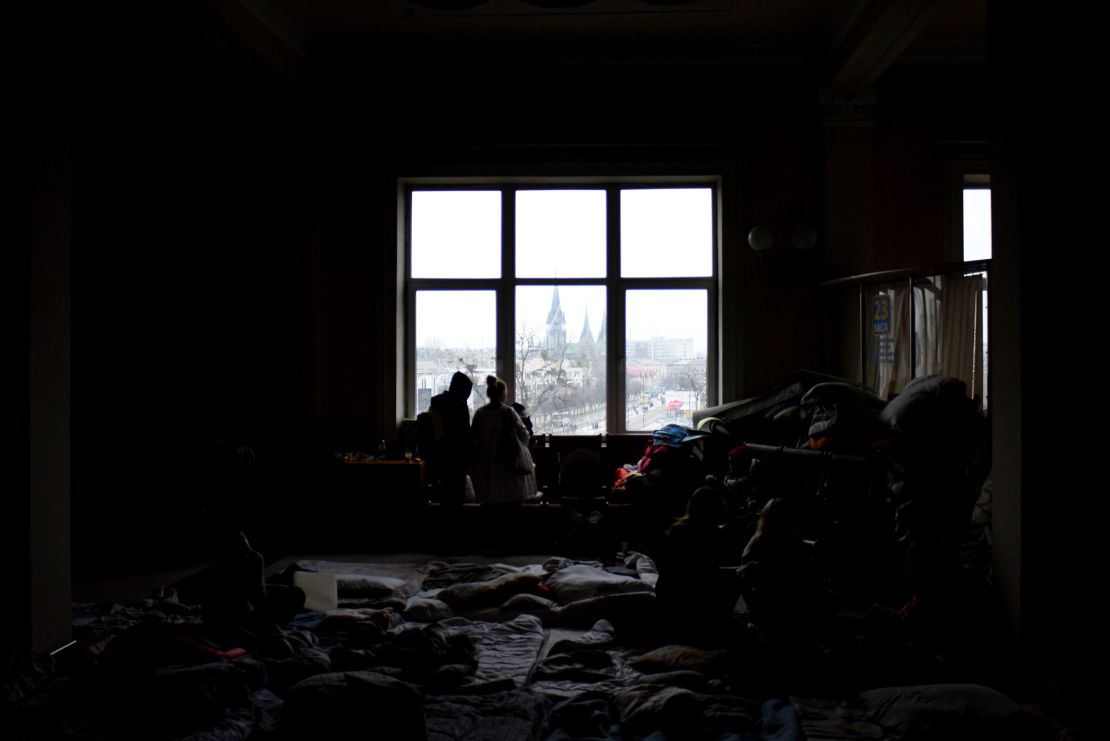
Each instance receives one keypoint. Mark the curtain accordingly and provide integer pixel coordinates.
(961, 331)
(947, 332)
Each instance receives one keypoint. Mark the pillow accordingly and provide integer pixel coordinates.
(629, 609)
(427, 610)
(645, 568)
(680, 658)
(925, 403)
(344, 618)
(952, 712)
(362, 586)
(320, 590)
(838, 407)
(581, 581)
(527, 603)
(487, 593)
(331, 705)
(675, 711)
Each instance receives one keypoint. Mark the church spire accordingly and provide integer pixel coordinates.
(587, 335)
(555, 315)
(555, 337)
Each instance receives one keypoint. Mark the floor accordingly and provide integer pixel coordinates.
(140, 584)
(135, 585)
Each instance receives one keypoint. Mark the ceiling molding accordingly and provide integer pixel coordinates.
(265, 30)
(874, 35)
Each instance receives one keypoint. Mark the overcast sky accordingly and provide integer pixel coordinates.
(977, 223)
(560, 234)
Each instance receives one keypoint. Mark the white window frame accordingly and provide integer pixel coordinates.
(615, 285)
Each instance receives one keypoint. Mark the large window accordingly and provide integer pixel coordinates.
(596, 302)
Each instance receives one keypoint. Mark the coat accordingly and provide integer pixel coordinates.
(494, 481)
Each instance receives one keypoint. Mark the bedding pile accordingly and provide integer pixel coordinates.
(553, 650)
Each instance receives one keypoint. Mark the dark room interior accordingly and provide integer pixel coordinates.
(211, 251)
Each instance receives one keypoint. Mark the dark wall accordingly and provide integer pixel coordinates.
(1054, 544)
(929, 120)
(193, 277)
(235, 245)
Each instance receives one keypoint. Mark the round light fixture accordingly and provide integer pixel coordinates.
(761, 238)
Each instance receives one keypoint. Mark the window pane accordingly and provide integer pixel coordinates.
(455, 331)
(560, 357)
(456, 234)
(665, 357)
(560, 233)
(977, 223)
(667, 232)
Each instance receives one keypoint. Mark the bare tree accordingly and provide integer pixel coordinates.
(544, 389)
(692, 377)
(526, 348)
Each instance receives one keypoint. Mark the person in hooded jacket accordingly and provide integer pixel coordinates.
(452, 448)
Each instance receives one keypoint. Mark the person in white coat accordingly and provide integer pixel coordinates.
(504, 471)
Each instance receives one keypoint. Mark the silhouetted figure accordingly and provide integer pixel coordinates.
(696, 595)
(451, 446)
(782, 591)
(584, 509)
(938, 601)
(239, 608)
(226, 483)
(504, 472)
(582, 474)
(520, 409)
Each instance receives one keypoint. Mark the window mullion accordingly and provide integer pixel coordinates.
(712, 347)
(614, 297)
(408, 364)
(506, 295)
(713, 338)
(454, 284)
(410, 406)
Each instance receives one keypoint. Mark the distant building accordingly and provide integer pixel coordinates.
(667, 349)
(555, 333)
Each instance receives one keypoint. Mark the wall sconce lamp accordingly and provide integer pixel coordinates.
(761, 239)
(802, 237)
(782, 257)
